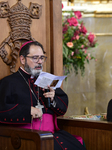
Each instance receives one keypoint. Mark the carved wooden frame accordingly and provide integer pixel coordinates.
(19, 19)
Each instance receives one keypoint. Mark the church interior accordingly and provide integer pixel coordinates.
(89, 94)
(94, 89)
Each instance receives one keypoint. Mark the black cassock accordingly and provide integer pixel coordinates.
(16, 100)
(109, 111)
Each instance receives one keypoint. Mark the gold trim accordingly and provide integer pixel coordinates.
(103, 34)
(95, 14)
(103, 16)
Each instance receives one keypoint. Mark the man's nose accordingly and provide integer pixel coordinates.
(39, 61)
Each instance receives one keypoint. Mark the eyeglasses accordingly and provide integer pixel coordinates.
(36, 58)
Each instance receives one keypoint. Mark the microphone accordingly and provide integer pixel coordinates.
(48, 100)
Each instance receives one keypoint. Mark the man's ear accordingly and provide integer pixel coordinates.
(22, 59)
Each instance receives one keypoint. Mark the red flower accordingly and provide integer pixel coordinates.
(78, 14)
(72, 21)
(76, 41)
(76, 33)
(91, 37)
(83, 30)
(65, 28)
(62, 6)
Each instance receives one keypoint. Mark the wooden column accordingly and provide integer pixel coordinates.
(56, 37)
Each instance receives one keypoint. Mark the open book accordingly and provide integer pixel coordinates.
(46, 79)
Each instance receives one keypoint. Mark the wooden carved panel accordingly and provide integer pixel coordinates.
(19, 19)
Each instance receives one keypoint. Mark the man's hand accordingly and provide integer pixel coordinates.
(50, 94)
(36, 112)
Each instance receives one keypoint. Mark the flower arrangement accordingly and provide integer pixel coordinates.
(76, 41)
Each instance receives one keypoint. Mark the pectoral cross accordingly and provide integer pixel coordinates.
(39, 106)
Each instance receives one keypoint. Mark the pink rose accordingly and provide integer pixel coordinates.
(89, 54)
(79, 27)
(72, 53)
(82, 46)
(72, 21)
(85, 51)
(83, 30)
(78, 14)
(76, 34)
(70, 44)
(62, 6)
(91, 37)
(77, 37)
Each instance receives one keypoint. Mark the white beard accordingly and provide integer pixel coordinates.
(35, 73)
(32, 71)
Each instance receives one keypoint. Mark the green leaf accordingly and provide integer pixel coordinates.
(65, 51)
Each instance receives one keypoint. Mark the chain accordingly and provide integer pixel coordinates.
(38, 104)
(30, 88)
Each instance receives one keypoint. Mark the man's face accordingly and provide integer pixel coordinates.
(33, 65)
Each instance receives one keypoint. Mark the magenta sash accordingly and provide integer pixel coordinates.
(47, 123)
(79, 139)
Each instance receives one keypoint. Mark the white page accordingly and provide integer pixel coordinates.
(46, 79)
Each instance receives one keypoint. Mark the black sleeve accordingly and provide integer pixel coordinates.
(10, 111)
(61, 99)
(109, 111)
